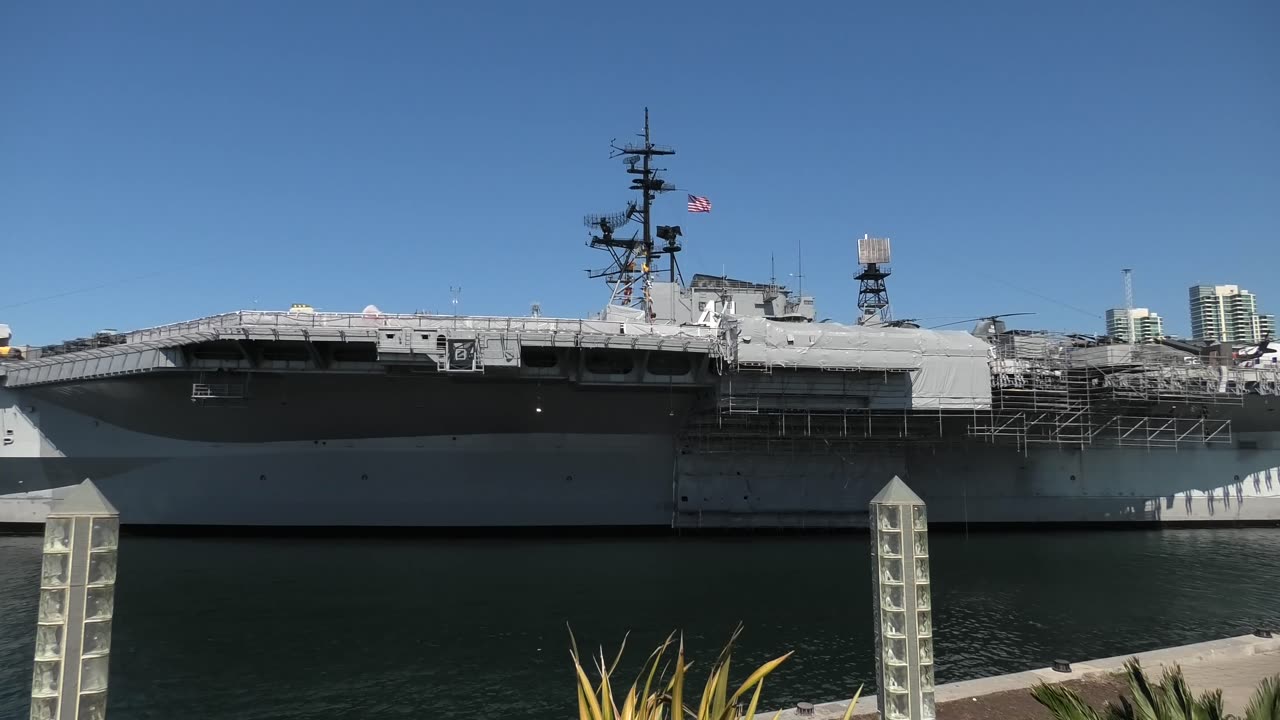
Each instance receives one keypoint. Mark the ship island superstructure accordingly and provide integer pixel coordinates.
(717, 403)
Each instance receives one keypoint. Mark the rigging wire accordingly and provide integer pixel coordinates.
(1050, 299)
(77, 291)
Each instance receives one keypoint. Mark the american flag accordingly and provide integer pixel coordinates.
(699, 204)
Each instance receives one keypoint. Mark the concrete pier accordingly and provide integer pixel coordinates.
(1235, 665)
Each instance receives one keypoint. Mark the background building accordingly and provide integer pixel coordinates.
(1147, 326)
(1225, 313)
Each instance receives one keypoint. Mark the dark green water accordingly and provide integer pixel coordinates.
(309, 629)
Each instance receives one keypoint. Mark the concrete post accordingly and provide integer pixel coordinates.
(77, 589)
(903, 604)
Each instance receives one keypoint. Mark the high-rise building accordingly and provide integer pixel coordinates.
(1147, 326)
(1225, 313)
(1267, 327)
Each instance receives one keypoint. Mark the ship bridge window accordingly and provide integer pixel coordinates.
(609, 362)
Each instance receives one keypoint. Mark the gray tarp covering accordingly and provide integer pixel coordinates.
(952, 381)
(947, 369)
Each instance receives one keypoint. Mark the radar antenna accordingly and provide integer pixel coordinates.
(873, 294)
(608, 223)
(633, 259)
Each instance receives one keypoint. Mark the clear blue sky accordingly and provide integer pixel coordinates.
(1018, 154)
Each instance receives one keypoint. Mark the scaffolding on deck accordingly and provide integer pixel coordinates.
(1046, 390)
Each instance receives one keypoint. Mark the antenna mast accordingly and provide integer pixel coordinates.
(633, 260)
(799, 269)
(455, 297)
(873, 294)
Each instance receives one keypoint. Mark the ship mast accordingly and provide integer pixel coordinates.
(633, 260)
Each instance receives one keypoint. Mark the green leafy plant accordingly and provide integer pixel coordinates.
(1265, 703)
(667, 699)
(1169, 699)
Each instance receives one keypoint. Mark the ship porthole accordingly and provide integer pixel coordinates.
(262, 478)
(1073, 478)
(364, 477)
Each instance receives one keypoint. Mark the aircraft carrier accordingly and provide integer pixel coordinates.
(713, 403)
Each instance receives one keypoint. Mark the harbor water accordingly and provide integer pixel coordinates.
(304, 629)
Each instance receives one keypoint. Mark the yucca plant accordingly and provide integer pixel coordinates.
(1265, 703)
(1169, 699)
(666, 699)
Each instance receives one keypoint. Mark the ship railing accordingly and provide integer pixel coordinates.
(737, 405)
(1079, 428)
(1000, 424)
(213, 322)
(1023, 429)
(853, 426)
(1059, 398)
(1142, 431)
(1085, 428)
(255, 318)
(1168, 381)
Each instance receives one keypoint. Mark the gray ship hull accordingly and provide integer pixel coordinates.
(610, 479)
(474, 481)
(977, 484)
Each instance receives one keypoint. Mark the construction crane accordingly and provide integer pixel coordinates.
(1128, 302)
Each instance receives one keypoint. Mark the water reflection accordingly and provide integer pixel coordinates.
(252, 629)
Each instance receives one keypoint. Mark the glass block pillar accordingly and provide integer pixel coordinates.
(73, 623)
(903, 604)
